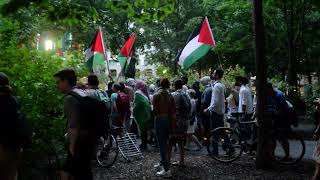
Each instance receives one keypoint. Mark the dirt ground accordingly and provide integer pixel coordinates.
(202, 167)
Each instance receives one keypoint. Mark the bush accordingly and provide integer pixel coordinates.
(31, 77)
(311, 92)
(229, 77)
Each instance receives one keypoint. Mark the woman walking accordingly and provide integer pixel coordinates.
(164, 111)
(142, 111)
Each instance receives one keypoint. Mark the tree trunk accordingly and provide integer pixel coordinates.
(261, 158)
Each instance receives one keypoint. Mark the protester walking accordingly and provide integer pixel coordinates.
(217, 110)
(233, 102)
(80, 146)
(193, 123)
(205, 103)
(14, 132)
(246, 104)
(165, 117)
(183, 115)
(142, 112)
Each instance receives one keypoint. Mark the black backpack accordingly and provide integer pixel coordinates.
(94, 116)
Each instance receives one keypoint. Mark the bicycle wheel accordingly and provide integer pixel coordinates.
(107, 151)
(293, 144)
(224, 145)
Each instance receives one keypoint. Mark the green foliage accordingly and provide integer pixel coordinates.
(141, 10)
(279, 83)
(311, 92)
(229, 76)
(31, 76)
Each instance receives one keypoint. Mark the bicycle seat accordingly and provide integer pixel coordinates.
(237, 114)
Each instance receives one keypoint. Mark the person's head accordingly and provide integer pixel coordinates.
(270, 89)
(158, 83)
(81, 85)
(205, 80)
(164, 83)
(217, 74)
(152, 89)
(244, 80)
(196, 86)
(4, 83)
(66, 79)
(238, 79)
(93, 81)
(178, 84)
(140, 85)
(192, 93)
(130, 82)
(116, 87)
(110, 84)
(122, 86)
(184, 80)
(237, 86)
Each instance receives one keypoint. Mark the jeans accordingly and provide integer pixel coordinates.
(216, 120)
(162, 126)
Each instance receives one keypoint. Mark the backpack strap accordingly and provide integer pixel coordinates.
(77, 96)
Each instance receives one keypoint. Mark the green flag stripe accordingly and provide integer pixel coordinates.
(98, 58)
(196, 55)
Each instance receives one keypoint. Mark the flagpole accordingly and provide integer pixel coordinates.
(104, 51)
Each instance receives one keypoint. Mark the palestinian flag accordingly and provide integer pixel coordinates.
(199, 43)
(126, 52)
(94, 55)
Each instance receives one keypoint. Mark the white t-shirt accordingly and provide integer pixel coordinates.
(245, 98)
(217, 99)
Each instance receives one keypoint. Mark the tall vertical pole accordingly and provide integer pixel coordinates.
(104, 50)
(260, 65)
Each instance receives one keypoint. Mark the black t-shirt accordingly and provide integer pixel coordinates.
(8, 120)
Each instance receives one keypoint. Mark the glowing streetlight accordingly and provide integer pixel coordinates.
(48, 45)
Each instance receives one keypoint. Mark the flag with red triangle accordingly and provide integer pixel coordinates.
(95, 54)
(199, 43)
(126, 52)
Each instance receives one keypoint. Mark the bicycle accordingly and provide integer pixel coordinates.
(107, 148)
(234, 141)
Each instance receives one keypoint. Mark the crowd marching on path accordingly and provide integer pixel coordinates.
(166, 115)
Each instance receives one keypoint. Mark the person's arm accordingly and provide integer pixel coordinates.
(173, 118)
(72, 111)
(242, 101)
(210, 108)
(155, 104)
(73, 134)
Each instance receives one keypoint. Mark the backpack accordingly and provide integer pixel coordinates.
(123, 103)
(103, 97)
(94, 116)
(185, 104)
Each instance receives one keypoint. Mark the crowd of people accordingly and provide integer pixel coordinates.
(166, 115)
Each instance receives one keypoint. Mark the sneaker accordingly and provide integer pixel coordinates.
(164, 173)
(156, 166)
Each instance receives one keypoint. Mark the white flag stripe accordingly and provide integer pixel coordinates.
(189, 48)
(88, 53)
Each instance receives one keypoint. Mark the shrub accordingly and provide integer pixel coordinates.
(31, 77)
